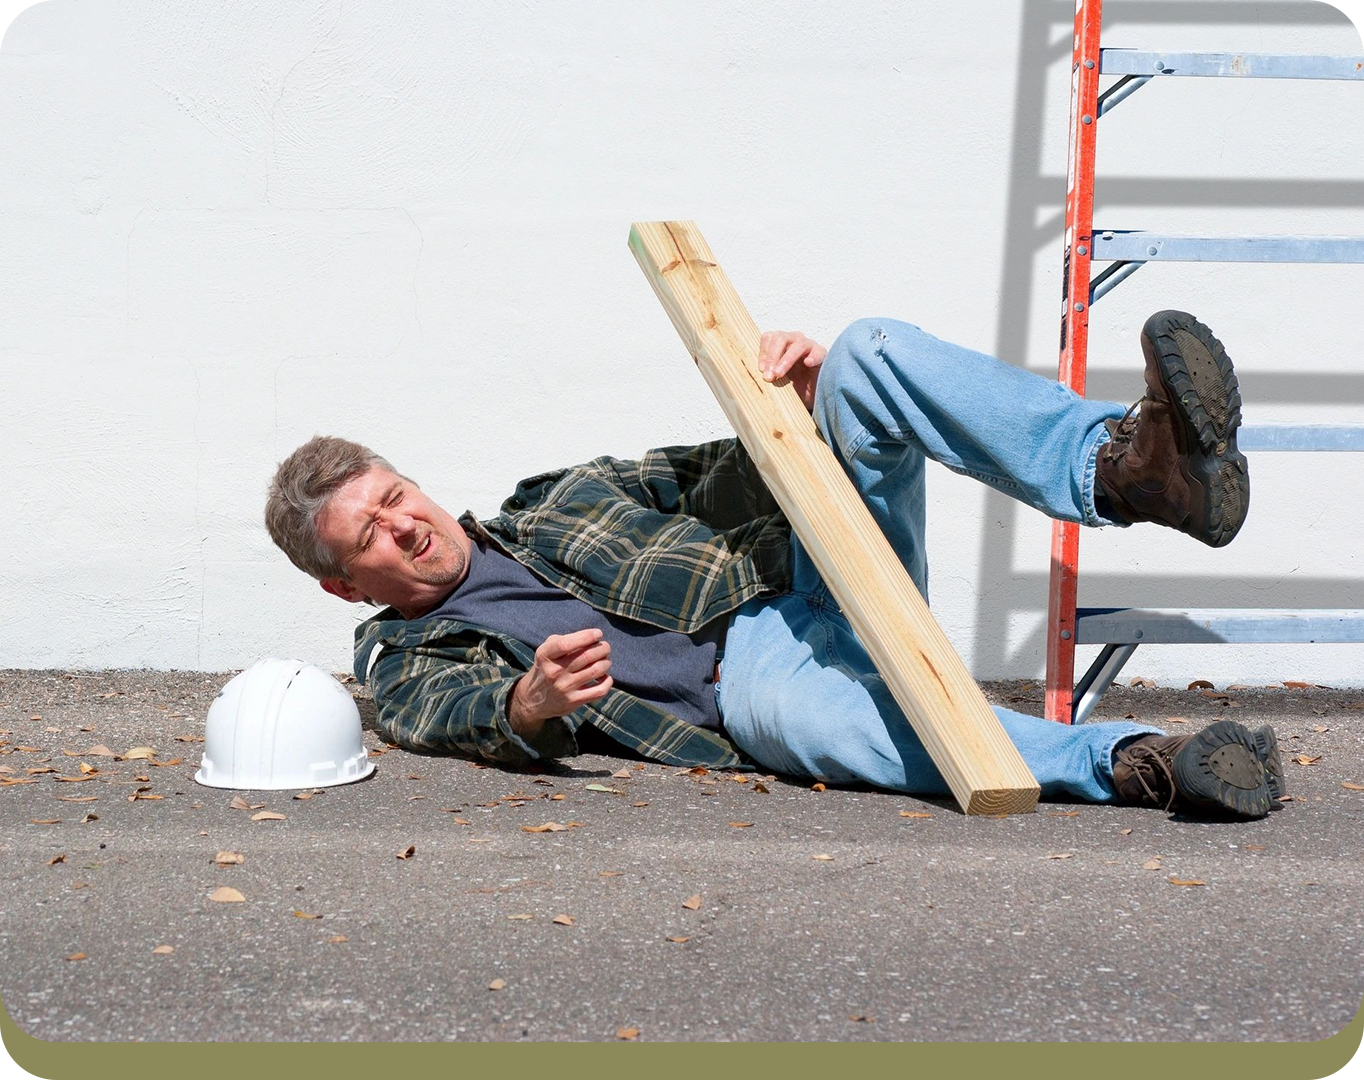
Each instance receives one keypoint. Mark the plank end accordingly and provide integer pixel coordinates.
(1001, 802)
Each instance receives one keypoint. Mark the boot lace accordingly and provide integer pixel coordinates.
(1121, 441)
(1150, 766)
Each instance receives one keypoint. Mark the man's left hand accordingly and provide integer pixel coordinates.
(783, 352)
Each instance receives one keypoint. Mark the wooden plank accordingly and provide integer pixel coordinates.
(986, 773)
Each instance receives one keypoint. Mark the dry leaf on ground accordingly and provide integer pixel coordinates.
(408, 852)
(627, 1034)
(1125, 832)
(304, 915)
(1151, 864)
(914, 814)
(225, 895)
(822, 858)
(163, 950)
(692, 903)
(818, 787)
(741, 824)
(623, 774)
(337, 939)
(229, 858)
(564, 920)
(76, 956)
(548, 826)
(1191, 881)
(1062, 855)
(520, 916)
(56, 859)
(1351, 787)
(267, 815)
(497, 984)
(138, 753)
(1304, 759)
(678, 940)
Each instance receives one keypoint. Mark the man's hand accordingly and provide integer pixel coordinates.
(569, 669)
(783, 351)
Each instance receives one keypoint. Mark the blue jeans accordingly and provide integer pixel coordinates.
(798, 691)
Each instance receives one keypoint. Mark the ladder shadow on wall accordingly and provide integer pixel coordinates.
(1035, 221)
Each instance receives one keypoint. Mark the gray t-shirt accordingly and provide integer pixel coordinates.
(672, 670)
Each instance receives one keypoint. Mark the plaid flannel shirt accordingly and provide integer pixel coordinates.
(682, 536)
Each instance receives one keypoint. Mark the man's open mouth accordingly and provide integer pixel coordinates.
(422, 548)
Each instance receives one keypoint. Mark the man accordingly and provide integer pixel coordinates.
(664, 605)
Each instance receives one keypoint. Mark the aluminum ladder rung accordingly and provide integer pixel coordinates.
(1236, 65)
(1138, 247)
(1168, 626)
(1307, 437)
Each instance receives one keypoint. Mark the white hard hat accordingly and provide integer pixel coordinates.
(282, 724)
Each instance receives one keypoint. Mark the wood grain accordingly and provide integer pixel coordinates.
(931, 684)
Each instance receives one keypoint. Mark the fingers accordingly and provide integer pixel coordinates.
(591, 693)
(593, 653)
(580, 679)
(558, 646)
(796, 350)
(780, 350)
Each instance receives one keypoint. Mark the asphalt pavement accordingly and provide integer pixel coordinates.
(672, 906)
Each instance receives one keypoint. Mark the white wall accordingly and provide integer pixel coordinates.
(225, 227)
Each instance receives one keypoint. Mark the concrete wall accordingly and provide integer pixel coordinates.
(225, 227)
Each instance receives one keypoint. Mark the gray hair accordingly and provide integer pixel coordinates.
(303, 485)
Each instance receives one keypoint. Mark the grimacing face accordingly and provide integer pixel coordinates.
(397, 546)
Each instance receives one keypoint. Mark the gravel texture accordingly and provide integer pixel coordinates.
(927, 926)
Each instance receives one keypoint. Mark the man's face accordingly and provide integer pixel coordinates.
(397, 546)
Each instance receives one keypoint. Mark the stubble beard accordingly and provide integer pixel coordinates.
(437, 573)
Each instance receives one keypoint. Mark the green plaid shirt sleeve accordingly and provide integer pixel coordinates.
(433, 702)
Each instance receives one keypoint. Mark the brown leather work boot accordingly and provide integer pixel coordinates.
(1176, 461)
(1224, 770)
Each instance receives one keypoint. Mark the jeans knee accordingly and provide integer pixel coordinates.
(851, 361)
(861, 338)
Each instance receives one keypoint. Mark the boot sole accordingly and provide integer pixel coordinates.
(1220, 769)
(1198, 376)
(1267, 750)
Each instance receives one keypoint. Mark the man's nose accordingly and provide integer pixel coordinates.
(403, 526)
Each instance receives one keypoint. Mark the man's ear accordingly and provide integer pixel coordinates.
(339, 586)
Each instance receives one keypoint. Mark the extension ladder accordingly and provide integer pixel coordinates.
(1120, 631)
